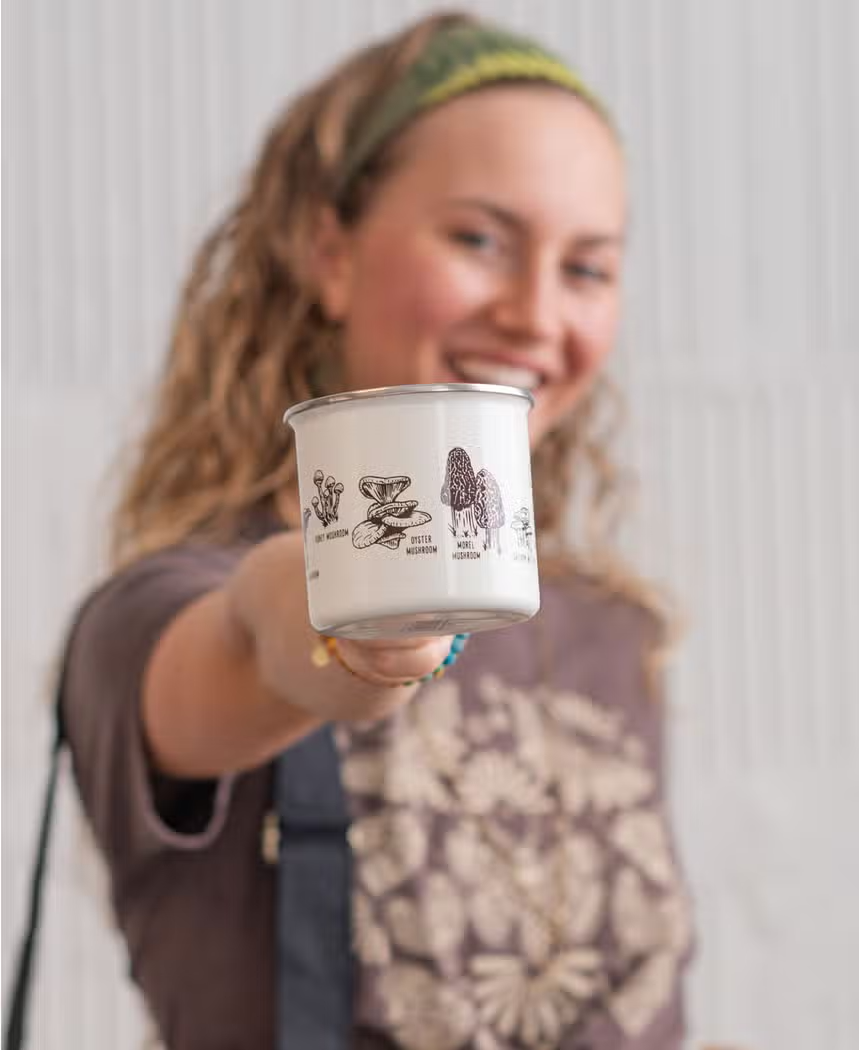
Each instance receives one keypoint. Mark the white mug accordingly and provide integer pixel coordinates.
(417, 509)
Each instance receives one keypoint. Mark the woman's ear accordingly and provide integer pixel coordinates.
(331, 265)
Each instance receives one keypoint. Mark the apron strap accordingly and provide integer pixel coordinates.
(16, 1025)
(314, 941)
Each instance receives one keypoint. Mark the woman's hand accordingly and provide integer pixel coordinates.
(267, 604)
(393, 661)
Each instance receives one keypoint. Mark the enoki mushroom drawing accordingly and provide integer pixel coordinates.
(474, 500)
(387, 516)
(328, 500)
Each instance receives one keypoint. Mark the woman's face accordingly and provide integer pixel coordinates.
(491, 253)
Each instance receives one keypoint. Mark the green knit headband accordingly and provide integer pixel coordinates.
(454, 62)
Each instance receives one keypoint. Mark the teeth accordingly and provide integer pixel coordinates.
(476, 370)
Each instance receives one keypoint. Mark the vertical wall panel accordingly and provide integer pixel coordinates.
(130, 125)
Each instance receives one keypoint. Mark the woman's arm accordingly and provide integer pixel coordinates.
(231, 681)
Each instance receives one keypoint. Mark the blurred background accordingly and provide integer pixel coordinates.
(127, 127)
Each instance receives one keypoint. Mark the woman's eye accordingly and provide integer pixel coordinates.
(587, 273)
(474, 239)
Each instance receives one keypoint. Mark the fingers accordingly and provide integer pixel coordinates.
(401, 662)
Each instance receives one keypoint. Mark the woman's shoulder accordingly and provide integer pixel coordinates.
(197, 553)
(192, 557)
(155, 578)
(117, 622)
(194, 565)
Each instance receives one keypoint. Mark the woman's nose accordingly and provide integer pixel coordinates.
(530, 302)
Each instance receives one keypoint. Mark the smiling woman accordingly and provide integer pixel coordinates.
(494, 252)
(447, 206)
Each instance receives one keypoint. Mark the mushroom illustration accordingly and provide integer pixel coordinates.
(521, 525)
(398, 508)
(458, 491)
(318, 478)
(409, 520)
(327, 502)
(383, 490)
(329, 498)
(489, 509)
(366, 533)
(320, 513)
(392, 538)
(338, 492)
(387, 517)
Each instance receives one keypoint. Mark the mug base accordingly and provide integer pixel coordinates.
(430, 623)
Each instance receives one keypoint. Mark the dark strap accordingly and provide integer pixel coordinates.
(314, 943)
(16, 1026)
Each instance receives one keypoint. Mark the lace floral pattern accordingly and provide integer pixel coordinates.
(512, 870)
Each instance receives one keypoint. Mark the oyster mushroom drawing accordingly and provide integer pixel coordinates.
(489, 509)
(387, 516)
(327, 502)
(458, 491)
(521, 525)
(383, 490)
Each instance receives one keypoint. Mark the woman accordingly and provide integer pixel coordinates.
(448, 206)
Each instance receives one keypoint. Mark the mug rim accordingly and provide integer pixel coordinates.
(413, 388)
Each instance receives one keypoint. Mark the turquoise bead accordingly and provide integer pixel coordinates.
(456, 647)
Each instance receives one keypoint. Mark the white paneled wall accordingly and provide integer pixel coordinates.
(127, 126)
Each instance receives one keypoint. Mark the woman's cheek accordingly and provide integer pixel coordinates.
(448, 295)
(417, 291)
(600, 329)
(446, 283)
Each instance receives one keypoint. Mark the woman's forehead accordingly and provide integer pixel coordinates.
(532, 144)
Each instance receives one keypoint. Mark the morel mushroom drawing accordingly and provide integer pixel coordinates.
(387, 517)
(521, 525)
(488, 509)
(328, 500)
(458, 491)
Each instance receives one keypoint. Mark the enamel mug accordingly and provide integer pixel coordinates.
(417, 509)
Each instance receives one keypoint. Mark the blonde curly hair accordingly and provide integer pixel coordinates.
(250, 339)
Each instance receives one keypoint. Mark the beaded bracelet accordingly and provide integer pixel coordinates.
(330, 648)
